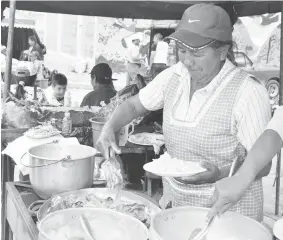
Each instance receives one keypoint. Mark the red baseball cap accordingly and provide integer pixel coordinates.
(201, 24)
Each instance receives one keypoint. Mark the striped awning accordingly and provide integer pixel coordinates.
(19, 23)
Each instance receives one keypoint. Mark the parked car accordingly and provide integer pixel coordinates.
(268, 76)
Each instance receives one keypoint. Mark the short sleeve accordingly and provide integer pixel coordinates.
(252, 112)
(152, 96)
(276, 123)
(85, 102)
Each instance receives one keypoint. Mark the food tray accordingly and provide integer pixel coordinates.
(40, 132)
(126, 196)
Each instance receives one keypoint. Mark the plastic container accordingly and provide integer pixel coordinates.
(67, 124)
(68, 100)
(97, 124)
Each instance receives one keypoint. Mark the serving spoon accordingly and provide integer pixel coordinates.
(203, 232)
(87, 228)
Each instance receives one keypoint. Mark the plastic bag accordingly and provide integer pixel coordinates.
(113, 173)
(18, 117)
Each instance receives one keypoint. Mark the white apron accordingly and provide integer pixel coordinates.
(207, 138)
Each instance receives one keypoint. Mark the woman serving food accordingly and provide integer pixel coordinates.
(213, 112)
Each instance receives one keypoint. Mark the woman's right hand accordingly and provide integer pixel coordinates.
(105, 141)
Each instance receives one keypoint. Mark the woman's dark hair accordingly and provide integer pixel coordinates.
(39, 42)
(59, 79)
(232, 45)
(33, 38)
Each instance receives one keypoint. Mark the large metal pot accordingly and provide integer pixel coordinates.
(179, 223)
(59, 168)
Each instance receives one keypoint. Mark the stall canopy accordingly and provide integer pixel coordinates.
(142, 9)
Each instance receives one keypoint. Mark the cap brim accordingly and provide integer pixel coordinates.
(190, 39)
(113, 79)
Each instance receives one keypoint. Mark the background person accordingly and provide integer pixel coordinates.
(102, 83)
(135, 62)
(57, 93)
(34, 46)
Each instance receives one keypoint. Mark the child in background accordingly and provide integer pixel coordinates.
(57, 94)
(34, 58)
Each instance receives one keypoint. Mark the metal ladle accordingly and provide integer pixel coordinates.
(206, 229)
(87, 228)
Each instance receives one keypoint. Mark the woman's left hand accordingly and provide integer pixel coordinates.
(211, 175)
(228, 191)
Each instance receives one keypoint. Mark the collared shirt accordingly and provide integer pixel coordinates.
(276, 122)
(250, 115)
(100, 94)
(133, 53)
(161, 53)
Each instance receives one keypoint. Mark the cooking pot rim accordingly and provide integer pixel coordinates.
(92, 120)
(51, 159)
(206, 209)
(95, 210)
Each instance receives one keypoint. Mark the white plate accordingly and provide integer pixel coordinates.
(146, 139)
(42, 136)
(278, 229)
(40, 132)
(166, 166)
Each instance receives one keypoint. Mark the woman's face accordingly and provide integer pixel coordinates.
(31, 42)
(201, 64)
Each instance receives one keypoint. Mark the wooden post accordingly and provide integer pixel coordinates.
(279, 156)
(281, 60)
(9, 49)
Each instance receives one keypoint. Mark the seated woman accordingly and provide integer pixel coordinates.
(57, 94)
(34, 46)
(103, 89)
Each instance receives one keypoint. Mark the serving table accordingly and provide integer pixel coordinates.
(19, 222)
(14, 200)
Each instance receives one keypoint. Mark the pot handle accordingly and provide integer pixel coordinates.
(35, 205)
(45, 165)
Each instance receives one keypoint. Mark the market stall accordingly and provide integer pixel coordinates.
(19, 202)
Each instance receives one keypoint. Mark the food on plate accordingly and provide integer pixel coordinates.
(168, 166)
(137, 210)
(42, 131)
(103, 227)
